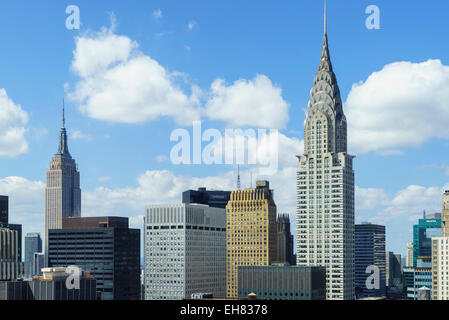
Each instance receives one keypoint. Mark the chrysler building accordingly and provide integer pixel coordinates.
(325, 186)
(62, 193)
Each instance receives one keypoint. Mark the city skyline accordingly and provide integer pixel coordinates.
(123, 170)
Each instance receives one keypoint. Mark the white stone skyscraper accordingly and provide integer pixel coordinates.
(62, 193)
(325, 186)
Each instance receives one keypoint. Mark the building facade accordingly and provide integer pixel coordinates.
(325, 186)
(50, 286)
(62, 192)
(440, 268)
(423, 232)
(212, 198)
(445, 215)
(185, 251)
(282, 282)
(394, 280)
(251, 232)
(11, 267)
(33, 244)
(285, 241)
(409, 255)
(38, 263)
(369, 251)
(4, 209)
(104, 246)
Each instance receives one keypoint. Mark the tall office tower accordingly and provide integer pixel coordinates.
(104, 246)
(325, 186)
(11, 267)
(369, 251)
(38, 263)
(284, 241)
(393, 276)
(3, 209)
(409, 255)
(185, 251)
(445, 215)
(423, 232)
(251, 232)
(440, 268)
(33, 244)
(62, 193)
(212, 198)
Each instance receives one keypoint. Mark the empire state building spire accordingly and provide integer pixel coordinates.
(63, 150)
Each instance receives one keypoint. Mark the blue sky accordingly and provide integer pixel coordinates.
(397, 110)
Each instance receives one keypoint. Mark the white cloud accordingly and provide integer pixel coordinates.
(370, 198)
(26, 203)
(104, 179)
(120, 84)
(78, 135)
(403, 105)
(254, 102)
(159, 187)
(408, 202)
(12, 127)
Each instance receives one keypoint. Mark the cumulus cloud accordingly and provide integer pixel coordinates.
(243, 102)
(12, 127)
(403, 105)
(78, 135)
(370, 198)
(26, 203)
(120, 84)
(406, 203)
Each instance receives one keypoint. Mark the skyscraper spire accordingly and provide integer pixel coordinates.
(325, 17)
(63, 150)
(63, 113)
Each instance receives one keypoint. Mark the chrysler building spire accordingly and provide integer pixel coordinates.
(325, 185)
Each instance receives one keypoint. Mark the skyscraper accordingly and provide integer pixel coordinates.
(33, 244)
(185, 251)
(369, 251)
(104, 246)
(11, 267)
(251, 232)
(284, 241)
(325, 186)
(3, 209)
(62, 193)
(212, 198)
(393, 276)
(423, 232)
(445, 215)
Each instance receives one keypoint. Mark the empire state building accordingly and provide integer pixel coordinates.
(62, 193)
(325, 186)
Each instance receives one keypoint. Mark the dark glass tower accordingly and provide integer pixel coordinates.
(369, 251)
(106, 247)
(3, 209)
